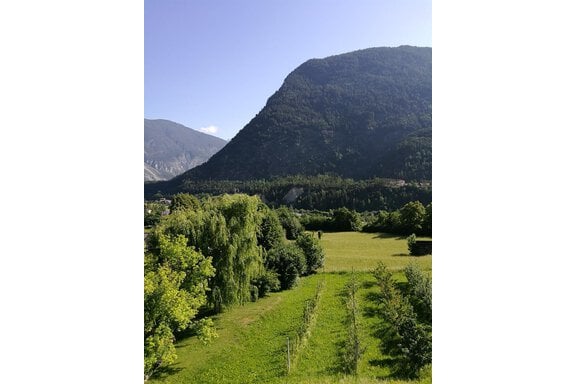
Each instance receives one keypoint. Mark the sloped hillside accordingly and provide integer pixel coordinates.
(171, 149)
(362, 114)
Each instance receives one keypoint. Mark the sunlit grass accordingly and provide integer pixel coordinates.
(363, 251)
(251, 347)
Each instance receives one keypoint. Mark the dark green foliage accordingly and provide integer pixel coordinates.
(312, 251)
(411, 241)
(340, 220)
(419, 292)
(152, 212)
(427, 222)
(316, 221)
(345, 220)
(320, 192)
(184, 201)
(412, 157)
(290, 223)
(266, 282)
(414, 339)
(289, 262)
(413, 217)
(416, 345)
(393, 223)
(271, 232)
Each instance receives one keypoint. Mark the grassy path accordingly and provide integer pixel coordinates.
(251, 343)
(320, 357)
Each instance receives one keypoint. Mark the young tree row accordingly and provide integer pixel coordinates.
(412, 337)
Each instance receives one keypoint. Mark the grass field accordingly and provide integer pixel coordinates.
(362, 251)
(251, 347)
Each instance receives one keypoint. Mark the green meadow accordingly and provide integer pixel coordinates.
(252, 342)
(362, 251)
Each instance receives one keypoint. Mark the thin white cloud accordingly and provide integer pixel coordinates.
(211, 129)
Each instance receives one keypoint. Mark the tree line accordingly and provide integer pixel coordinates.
(413, 217)
(208, 255)
(321, 192)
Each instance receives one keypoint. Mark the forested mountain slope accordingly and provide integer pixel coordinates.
(362, 114)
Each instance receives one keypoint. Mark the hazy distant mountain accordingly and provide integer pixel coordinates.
(171, 149)
(362, 114)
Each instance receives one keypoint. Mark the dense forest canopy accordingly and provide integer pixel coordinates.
(321, 192)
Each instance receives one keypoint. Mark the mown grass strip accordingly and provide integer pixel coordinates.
(307, 324)
(352, 347)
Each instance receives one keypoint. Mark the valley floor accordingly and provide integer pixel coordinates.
(252, 342)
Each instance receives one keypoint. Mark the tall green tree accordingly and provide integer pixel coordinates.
(412, 217)
(175, 285)
(419, 292)
(271, 233)
(224, 228)
(230, 237)
(344, 219)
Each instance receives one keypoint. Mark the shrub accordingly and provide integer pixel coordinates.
(266, 283)
(316, 221)
(290, 223)
(312, 251)
(411, 240)
(412, 217)
(289, 262)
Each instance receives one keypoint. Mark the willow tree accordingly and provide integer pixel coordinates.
(226, 229)
(231, 227)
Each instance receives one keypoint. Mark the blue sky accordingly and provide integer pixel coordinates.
(212, 64)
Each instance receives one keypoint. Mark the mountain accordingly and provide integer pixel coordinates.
(359, 115)
(171, 149)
